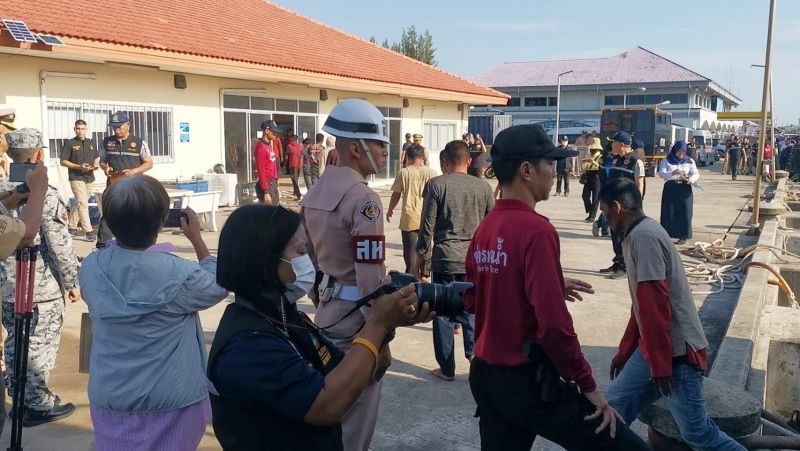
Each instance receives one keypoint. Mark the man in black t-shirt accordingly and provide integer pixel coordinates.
(81, 159)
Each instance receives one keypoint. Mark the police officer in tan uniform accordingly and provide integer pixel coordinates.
(344, 222)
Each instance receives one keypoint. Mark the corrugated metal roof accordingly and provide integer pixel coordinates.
(252, 31)
(637, 65)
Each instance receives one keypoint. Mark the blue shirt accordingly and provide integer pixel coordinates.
(148, 351)
(266, 369)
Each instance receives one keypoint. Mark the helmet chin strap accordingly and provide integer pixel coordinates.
(369, 156)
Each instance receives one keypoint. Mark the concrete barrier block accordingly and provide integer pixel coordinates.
(792, 220)
(782, 395)
(735, 412)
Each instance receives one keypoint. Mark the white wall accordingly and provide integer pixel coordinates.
(198, 104)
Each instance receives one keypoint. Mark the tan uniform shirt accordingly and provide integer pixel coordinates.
(410, 183)
(11, 233)
(344, 224)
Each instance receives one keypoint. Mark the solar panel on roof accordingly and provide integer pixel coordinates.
(19, 31)
(49, 39)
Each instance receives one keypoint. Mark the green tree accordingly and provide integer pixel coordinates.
(413, 45)
(426, 52)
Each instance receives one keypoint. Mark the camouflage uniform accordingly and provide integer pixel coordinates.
(56, 271)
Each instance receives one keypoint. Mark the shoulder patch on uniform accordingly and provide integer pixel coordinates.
(368, 248)
(370, 210)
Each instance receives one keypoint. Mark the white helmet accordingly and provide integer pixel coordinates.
(356, 119)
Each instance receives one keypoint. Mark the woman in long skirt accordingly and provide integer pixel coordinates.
(677, 202)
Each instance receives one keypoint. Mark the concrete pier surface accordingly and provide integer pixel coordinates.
(419, 411)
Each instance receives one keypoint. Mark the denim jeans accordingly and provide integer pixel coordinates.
(632, 390)
(443, 335)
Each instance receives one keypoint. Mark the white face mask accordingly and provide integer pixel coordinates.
(304, 278)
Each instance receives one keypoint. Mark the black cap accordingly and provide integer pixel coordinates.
(523, 142)
(269, 125)
(623, 137)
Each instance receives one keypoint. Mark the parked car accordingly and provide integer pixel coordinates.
(705, 155)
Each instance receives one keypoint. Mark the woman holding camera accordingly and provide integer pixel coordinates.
(280, 383)
(147, 385)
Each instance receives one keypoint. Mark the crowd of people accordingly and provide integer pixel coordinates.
(277, 380)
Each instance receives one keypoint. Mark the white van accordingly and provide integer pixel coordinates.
(705, 151)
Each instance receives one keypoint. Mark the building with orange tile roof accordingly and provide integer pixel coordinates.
(197, 77)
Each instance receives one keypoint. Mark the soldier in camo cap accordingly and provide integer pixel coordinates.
(56, 273)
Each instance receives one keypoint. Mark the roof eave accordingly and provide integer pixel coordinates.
(725, 93)
(101, 52)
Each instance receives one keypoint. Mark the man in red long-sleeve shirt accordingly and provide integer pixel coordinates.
(267, 165)
(525, 343)
(664, 350)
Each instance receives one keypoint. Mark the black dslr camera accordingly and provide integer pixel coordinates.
(447, 300)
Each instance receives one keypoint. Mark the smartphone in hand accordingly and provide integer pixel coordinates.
(17, 171)
(174, 218)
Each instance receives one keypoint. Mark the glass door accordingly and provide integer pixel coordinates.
(237, 146)
(307, 125)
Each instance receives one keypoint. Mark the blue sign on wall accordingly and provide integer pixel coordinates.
(184, 132)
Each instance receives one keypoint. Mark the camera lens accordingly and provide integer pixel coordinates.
(445, 300)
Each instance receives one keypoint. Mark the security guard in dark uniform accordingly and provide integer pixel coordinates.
(624, 164)
(122, 155)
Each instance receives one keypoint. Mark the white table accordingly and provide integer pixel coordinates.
(204, 204)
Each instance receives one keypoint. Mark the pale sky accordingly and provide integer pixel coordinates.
(718, 39)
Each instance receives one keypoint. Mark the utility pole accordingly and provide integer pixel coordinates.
(756, 225)
(558, 104)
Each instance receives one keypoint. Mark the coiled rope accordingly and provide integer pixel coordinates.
(725, 266)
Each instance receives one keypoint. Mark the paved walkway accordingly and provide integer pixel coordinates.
(418, 411)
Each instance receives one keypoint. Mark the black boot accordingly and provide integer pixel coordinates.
(36, 417)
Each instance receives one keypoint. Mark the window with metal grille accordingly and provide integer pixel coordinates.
(153, 124)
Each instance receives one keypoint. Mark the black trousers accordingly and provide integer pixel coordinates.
(272, 191)
(294, 174)
(733, 166)
(410, 249)
(563, 176)
(591, 193)
(512, 413)
(104, 234)
(619, 259)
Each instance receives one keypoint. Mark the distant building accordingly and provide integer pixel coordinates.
(635, 78)
(197, 78)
